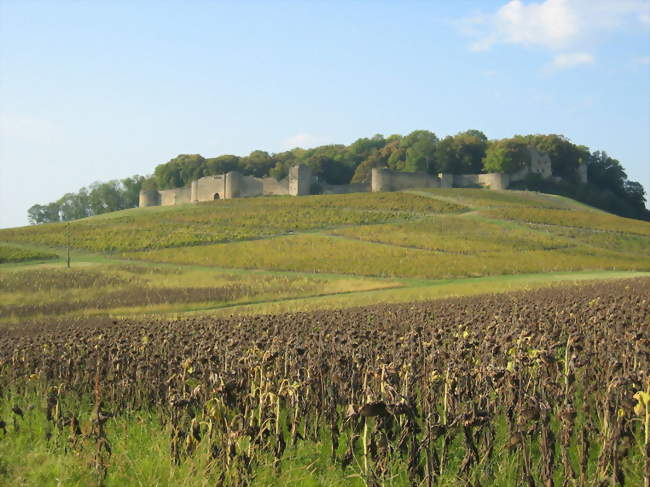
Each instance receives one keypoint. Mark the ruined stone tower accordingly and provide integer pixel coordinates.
(300, 178)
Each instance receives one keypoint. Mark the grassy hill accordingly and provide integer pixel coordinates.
(276, 253)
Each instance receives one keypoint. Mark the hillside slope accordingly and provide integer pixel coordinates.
(418, 234)
(286, 253)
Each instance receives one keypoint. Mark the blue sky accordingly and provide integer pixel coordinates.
(100, 90)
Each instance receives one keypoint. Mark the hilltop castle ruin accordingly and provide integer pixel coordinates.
(300, 180)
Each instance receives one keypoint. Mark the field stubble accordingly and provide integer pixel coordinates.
(545, 387)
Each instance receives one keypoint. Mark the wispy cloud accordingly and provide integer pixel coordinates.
(568, 28)
(304, 141)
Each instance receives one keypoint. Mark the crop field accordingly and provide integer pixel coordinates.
(456, 234)
(548, 387)
(477, 198)
(32, 294)
(425, 234)
(332, 254)
(172, 351)
(12, 253)
(277, 252)
(618, 241)
(569, 218)
(227, 220)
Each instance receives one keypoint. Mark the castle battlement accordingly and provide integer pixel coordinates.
(300, 179)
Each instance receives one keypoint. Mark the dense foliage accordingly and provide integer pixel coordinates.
(539, 388)
(96, 199)
(467, 152)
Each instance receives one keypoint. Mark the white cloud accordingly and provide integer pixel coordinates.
(571, 59)
(550, 24)
(304, 141)
(643, 60)
(556, 25)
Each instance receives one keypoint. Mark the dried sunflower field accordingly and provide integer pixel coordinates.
(547, 388)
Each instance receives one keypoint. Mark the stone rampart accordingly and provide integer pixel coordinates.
(388, 180)
(250, 186)
(209, 188)
(299, 182)
(176, 196)
(494, 180)
(345, 188)
(271, 186)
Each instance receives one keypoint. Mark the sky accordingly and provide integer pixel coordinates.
(100, 90)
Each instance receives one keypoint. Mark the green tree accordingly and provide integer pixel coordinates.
(258, 163)
(222, 164)
(149, 183)
(361, 148)
(362, 173)
(635, 194)
(43, 214)
(73, 206)
(106, 197)
(506, 155)
(462, 153)
(420, 147)
(131, 188)
(283, 162)
(333, 164)
(179, 171)
(606, 172)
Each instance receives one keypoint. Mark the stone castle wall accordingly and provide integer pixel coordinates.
(209, 188)
(345, 188)
(176, 196)
(272, 186)
(300, 180)
(388, 180)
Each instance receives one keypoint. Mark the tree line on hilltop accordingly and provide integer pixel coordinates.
(468, 152)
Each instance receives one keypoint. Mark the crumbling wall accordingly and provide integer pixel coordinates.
(176, 196)
(494, 180)
(466, 181)
(271, 186)
(236, 185)
(345, 188)
(207, 187)
(388, 180)
(250, 186)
